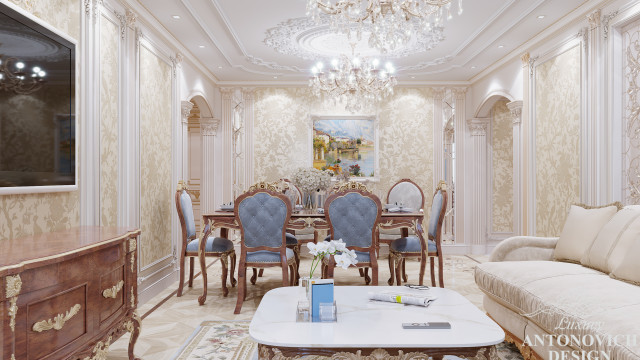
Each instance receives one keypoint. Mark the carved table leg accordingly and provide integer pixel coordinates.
(135, 332)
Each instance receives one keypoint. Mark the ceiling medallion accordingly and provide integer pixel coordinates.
(389, 23)
(306, 39)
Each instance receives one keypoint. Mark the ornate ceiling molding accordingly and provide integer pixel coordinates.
(305, 39)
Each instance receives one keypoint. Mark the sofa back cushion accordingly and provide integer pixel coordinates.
(624, 244)
(629, 268)
(580, 230)
(598, 254)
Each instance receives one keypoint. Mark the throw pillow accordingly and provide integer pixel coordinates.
(598, 254)
(580, 230)
(623, 246)
(629, 268)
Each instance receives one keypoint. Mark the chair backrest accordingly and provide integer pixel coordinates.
(438, 209)
(185, 212)
(353, 216)
(263, 213)
(408, 193)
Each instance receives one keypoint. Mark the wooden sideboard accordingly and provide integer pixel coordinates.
(68, 294)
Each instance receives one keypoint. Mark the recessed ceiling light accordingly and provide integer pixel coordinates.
(540, 16)
(176, 17)
(500, 46)
(473, 67)
(275, 77)
(219, 67)
(413, 77)
(201, 46)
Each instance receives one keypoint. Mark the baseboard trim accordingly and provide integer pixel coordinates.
(163, 279)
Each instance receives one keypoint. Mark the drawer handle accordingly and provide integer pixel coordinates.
(113, 291)
(57, 322)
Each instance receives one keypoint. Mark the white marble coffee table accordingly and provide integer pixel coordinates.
(373, 330)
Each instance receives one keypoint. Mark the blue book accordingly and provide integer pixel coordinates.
(321, 292)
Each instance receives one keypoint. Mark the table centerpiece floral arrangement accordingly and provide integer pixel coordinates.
(342, 256)
(310, 181)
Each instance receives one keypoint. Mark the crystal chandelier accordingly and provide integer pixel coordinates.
(14, 78)
(354, 82)
(389, 22)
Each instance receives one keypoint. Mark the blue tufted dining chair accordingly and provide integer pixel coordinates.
(353, 214)
(415, 246)
(214, 246)
(263, 213)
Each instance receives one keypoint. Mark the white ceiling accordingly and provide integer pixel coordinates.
(234, 34)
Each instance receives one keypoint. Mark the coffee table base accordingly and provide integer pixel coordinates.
(266, 352)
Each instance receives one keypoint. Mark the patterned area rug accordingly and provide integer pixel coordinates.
(229, 340)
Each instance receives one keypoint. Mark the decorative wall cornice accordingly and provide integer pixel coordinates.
(209, 126)
(605, 22)
(478, 126)
(248, 93)
(515, 107)
(131, 18)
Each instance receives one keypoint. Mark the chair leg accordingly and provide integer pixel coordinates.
(233, 269)
(374, 273)
(398, 264)
(423, 263)
(367, 279)
(224, 261)
(285, 274)
(191, 266)
(254, 277)
(361, 272)
(296, 254)
(433, 273)
(242, 286)
(391, 269)
(203, 270)
(181, 283)
(260, 273)
(404, 271)
(292, 274)
(440, 272)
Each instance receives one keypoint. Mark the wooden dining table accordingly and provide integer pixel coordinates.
(304, 219)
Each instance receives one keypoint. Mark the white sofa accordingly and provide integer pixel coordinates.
(589, 313)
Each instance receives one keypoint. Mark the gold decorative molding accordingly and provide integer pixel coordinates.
(263, 185)
(133, 297)
(133, 244)
(13, 287)
(273, 353)
(442, 185)
(101, 350)
(58, 321)
(182, 186)
(113, 291)
(350, 185)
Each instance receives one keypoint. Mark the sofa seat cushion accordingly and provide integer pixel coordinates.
(564, 298)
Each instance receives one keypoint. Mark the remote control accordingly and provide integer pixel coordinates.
(429, 325)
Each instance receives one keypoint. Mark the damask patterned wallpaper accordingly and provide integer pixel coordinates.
(155, 157)
(109, 38)
(28, 214)
(557, 144)
(502, 167)
(631, 126)
(282, 142)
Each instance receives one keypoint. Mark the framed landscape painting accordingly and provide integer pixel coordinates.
(345, 145)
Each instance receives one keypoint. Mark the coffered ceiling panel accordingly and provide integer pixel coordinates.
(273, 41)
